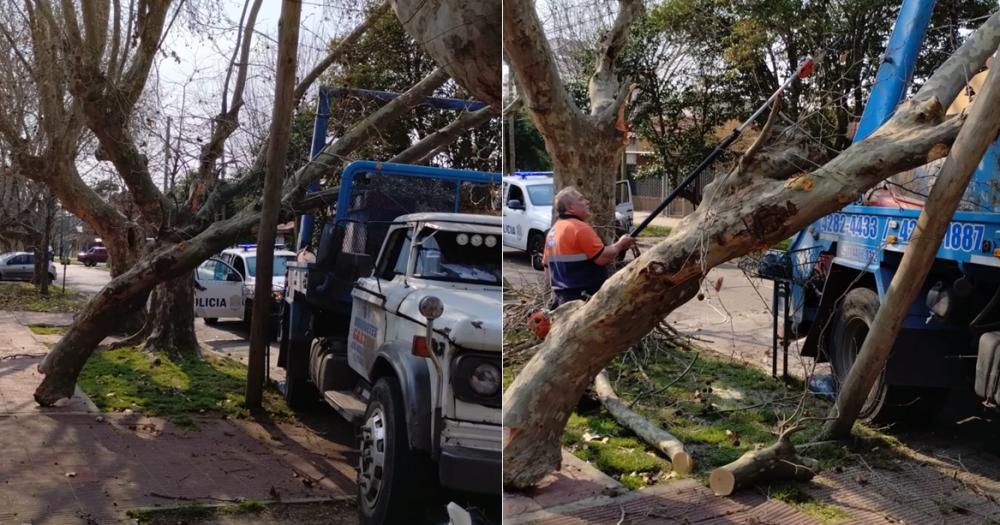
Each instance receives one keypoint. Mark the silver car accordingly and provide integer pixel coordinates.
(20, 266)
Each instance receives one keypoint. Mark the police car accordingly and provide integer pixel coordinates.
(224, 284)
(527, 209)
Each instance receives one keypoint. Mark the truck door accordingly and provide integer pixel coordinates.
(623, 203)
(515, 217)
(218, 290)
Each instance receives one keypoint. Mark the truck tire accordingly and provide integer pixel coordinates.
(299, 393)
(391, 476)
(885, 402)
(536, 243)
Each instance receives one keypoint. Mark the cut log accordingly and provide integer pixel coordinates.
(774, 463)
(658, 438)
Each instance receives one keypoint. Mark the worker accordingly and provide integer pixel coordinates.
(575, 256)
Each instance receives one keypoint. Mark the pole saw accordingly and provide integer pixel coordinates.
(802, 72)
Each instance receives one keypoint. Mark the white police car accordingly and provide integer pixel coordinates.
(224, 284)
(527, 209)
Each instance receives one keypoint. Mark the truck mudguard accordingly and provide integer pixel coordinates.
(414, 382)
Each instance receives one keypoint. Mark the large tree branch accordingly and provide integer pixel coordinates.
(461, 37)
(337, 52)
(446, 135)
(533, 63)
(330, 158)
(604, 88)
(951, 76)
(227, 120)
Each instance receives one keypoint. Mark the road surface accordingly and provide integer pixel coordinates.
(83, 279)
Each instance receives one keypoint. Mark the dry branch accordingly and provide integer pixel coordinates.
(658, 438)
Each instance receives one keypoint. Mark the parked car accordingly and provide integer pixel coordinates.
(224, 284)
(20, 266)
(96, 254)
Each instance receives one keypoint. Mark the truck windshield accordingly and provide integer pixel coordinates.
(458, 256)
(540, 194)
(279, 265)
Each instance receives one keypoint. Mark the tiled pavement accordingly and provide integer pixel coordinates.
(69, 464)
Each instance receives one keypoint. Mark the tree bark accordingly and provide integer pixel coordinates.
(746, 211)
(584, 149)
(777, 462)
(977, 134)
(172, 318)
(660, 439)
(462, 37)
(277, 151)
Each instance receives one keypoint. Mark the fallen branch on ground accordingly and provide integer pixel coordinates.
(776, 462)
(650, 433)
(668, 385)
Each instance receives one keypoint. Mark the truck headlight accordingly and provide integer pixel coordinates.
(485, 379)
(476, 378)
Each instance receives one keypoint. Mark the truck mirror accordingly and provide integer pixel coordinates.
(431, 307)
(515, 204)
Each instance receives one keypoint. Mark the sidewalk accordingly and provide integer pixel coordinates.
(70, 464)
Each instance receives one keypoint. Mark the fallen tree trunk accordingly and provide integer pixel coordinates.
(128, 291)
(744, 211)
(777, 462)
(970, 146)
(660, 439)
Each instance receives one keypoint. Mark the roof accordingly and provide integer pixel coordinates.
(468, 218)
(530, 179)
(253, 251)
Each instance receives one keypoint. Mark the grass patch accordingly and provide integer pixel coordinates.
(25, 297)
(47, 330)
(720, 409)
(794, 496)
(341, 512)
(128, 378)
(655, 231)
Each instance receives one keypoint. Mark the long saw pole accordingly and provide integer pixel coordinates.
(803, 71)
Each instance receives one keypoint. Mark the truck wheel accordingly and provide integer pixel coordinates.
(389, 473)
(885, 402)
(536, 244)
(211, 321)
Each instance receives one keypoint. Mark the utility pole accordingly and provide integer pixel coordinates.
(277, 150)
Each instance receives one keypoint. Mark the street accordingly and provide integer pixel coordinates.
(83, 279)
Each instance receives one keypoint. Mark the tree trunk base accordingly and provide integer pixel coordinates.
(776, 462)
(172, 326)
(660, 439)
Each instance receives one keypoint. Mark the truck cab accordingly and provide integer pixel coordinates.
(397, 326)
(527, 209)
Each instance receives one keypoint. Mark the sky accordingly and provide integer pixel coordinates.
(186, 84)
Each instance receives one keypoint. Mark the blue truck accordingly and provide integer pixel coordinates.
(837, 271)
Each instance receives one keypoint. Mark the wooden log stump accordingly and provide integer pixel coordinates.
(658, 438)
(776, 462)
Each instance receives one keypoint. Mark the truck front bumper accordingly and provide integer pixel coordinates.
(469, 457)
(470, 469)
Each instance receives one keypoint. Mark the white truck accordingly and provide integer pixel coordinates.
(527, 209)
(397, 326)
(225, 284)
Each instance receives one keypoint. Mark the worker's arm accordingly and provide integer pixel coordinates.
(611, 252)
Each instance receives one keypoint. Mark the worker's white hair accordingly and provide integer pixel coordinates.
(565, 197)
